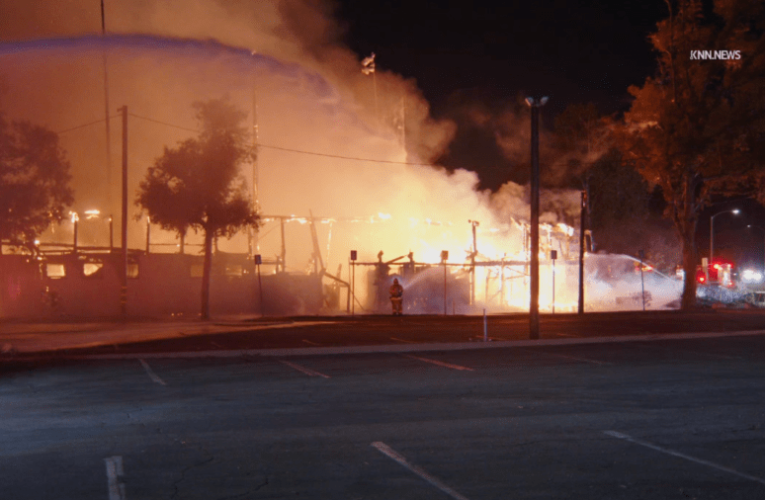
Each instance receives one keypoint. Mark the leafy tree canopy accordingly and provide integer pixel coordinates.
(197, 184)
(696, 127)
(34, 181)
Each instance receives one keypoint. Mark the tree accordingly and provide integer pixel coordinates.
(197, 184)
(696, 127)
(34, 181)
(618, 195)
(582, 136)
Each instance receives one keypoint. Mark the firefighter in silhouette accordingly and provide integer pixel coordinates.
(396, 297)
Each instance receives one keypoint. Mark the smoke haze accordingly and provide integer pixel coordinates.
(285, 61)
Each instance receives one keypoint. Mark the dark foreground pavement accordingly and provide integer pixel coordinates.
(370, 331)
(652, 419)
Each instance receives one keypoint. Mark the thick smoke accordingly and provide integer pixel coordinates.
(300, 31)
(310, 97)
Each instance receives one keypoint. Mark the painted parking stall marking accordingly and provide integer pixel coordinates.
(401, 460)
(626, 437)
(439, 363)
(114, 470)
(402, 340)
(151, 373)
(680, 350)
(303, 369)
(576, 358)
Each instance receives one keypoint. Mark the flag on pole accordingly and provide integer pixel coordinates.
(368, 64)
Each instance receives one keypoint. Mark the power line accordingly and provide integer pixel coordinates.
(341, 157)
(163, 123)
(345, 157)
(292, 150)
(83, 125)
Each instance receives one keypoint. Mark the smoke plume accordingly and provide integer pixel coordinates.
(350, 148)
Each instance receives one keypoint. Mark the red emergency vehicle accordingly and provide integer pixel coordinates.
(720, 273)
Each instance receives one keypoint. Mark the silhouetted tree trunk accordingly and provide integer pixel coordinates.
(34, 181)
(206, 271)
(694, 128)
(686, 225)
(198, 184)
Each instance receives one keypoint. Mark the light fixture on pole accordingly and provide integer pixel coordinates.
(534, 104)
(735, 211)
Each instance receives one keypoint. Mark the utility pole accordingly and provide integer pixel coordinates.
(534, 104)
(444, 258)
(106, 107)
(641, 255)
(258, 261)
(123, 290)
(553, 258)
(473, 223)
(75, 223)
(583, 216)
(284, 247)
(352, 291)
(254, 242)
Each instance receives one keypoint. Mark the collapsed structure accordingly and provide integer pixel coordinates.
(68, 280)
(318, 147)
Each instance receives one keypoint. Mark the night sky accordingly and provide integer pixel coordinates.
(572, 51)
(491, 52)
(488, 53)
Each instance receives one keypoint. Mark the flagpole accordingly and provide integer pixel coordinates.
(368, 67)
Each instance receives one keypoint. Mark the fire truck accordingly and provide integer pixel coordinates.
(720, 273)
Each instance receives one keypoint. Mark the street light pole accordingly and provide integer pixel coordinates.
(534, 104)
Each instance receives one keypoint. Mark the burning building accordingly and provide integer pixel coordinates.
(322, 148)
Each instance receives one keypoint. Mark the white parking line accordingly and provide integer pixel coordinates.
(303, 369)
(391, 453)
(151, 373)
(681, 350)
(113, 471)
(402, 340)
(576, 358)
(620, 435)
(309, 342)
(490, 338)
(439, 363)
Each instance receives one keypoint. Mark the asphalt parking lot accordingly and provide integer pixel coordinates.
(652, 418)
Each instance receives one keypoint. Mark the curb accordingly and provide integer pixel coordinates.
(396, 348)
